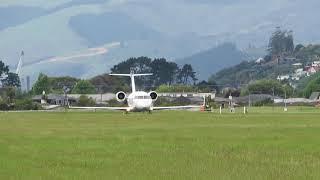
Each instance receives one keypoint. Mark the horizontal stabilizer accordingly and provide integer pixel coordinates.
(106, 108)
(129, 75)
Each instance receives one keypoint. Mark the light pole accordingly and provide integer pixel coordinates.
(65, 92)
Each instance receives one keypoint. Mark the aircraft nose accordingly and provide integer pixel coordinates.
(143, 105)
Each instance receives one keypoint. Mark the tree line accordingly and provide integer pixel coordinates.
(164, 73)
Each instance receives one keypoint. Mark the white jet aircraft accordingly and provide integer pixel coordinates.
(138, 100)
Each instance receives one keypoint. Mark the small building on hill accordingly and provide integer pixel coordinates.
(315, 96)
(312, 70)
(297, 64)
(283, 77)
(316, 64)
(187, 94)
(259, 61)
(54, 99)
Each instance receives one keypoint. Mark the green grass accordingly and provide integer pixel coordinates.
(275, 109)
(164, 145)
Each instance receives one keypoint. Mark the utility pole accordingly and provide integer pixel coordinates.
(66, 100)
(285, 101)
(100, 90)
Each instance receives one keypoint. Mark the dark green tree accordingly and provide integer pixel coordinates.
(281, 42)
(86, 101)
(205, 86)
(266, 86)
(42, 84)
(313, 86)
(176, 88)
(137, 65)
(84, 87)
(4, 69)
(164, 72)
(58, 83)
(187, 75)
(11, 94)
(12, 80)
(298, 48)
(106, 83)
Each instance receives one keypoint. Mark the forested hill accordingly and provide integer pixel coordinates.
(210, 61)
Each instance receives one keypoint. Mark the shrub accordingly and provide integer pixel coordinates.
(86, 101)
(26, 104)
(264, 102)
(176, 88)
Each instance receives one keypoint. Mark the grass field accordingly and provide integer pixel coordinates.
(164, 145)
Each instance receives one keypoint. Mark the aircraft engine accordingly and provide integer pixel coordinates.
(153, 95)
(121, 96)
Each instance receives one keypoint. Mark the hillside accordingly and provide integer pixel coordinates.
(296, 68)
(212, 60)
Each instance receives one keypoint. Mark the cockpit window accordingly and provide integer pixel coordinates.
(142, 97)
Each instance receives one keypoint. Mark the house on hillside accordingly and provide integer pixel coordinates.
(289, 59)
(315, 64)
(284, 77)
(297, 64)
(259, 61)
(298, 74)
(312, 70)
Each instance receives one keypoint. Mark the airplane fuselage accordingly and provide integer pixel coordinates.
(139, 101)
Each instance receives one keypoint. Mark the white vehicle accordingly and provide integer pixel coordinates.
(138, 100)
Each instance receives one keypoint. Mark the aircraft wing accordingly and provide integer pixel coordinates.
(106, 108)
(175, 107)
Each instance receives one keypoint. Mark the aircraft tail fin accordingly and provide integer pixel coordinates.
(132, 75)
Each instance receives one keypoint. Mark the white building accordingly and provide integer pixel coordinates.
(259, 61)
(297, 64)
(316, 64)
(99, 98)
(298, 74)
(185, 94)
(312, 70)
(283, 77)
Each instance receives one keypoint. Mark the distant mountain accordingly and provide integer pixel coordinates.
(118, 28)
(173, 29)
(212, 60)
